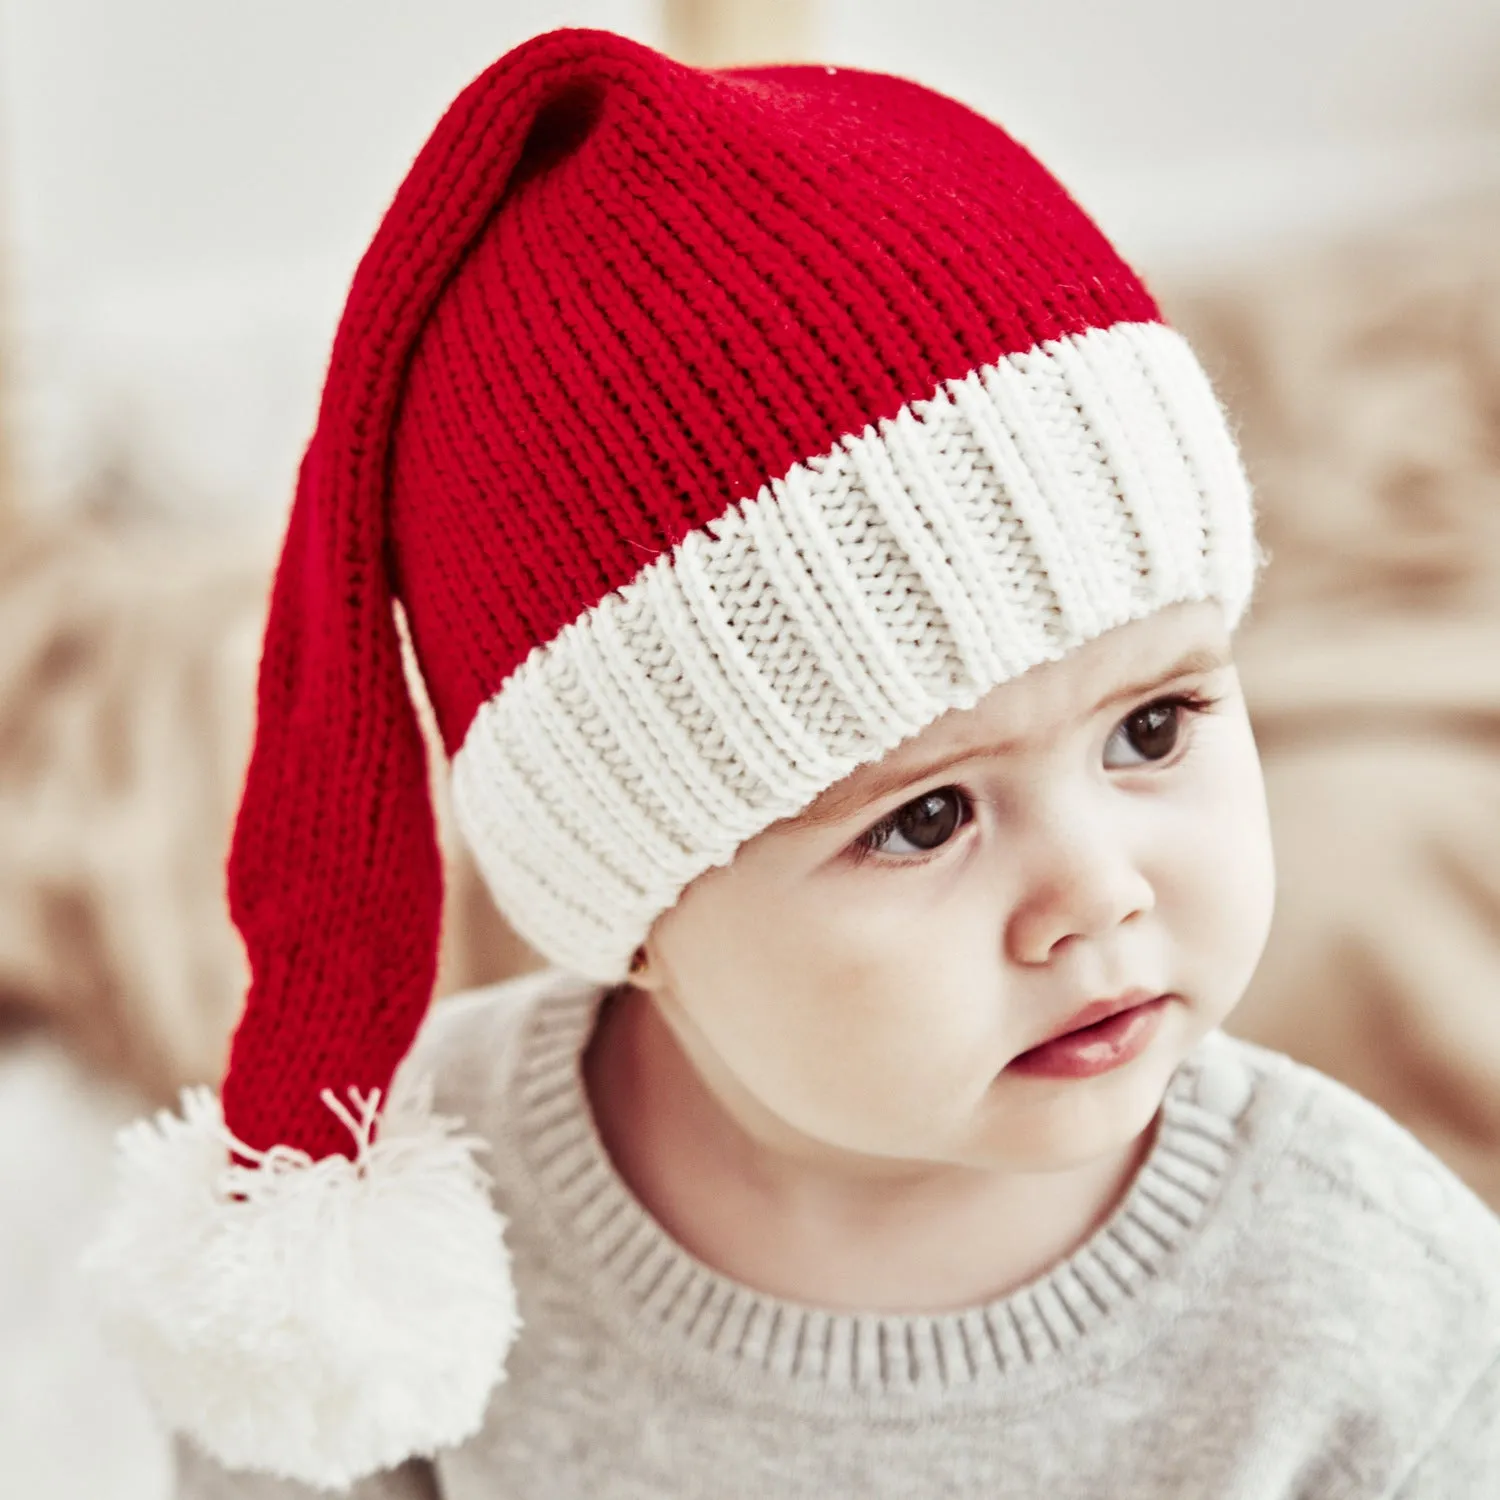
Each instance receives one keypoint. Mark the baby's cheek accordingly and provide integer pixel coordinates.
(852, 1057)
(915, 996)
(854, 1013)
(911, 1065)
(1222, 889)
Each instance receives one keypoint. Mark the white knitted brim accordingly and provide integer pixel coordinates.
(1016, 514)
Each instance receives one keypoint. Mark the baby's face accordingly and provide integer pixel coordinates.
(859, 984)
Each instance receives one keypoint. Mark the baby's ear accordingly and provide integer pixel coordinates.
(643, 972)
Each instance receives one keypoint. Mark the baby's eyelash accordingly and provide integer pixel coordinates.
(1194, 702)
(1191, 704)
(866, 846)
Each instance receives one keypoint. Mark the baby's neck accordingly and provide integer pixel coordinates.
(927, 1238)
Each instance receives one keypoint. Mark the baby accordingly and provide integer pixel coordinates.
(823, 565)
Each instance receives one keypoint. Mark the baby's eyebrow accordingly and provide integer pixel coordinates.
(841, 802)
(1196, 663)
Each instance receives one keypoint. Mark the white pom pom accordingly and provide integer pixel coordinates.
(317, 1320)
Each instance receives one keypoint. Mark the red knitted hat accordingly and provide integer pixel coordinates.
(717, 431)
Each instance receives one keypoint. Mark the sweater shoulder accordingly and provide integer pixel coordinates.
(1367, 1230)
(1378, 1174)
(469, 1044)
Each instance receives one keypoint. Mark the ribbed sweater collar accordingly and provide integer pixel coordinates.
(639, 1269)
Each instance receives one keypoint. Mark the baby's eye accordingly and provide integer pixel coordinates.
(919, 826)
(1154, 731)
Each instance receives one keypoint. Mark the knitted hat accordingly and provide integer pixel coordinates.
(717, 431)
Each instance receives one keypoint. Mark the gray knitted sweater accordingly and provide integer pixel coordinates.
(1294, 1300)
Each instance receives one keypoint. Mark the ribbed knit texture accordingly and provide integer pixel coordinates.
(1294, 1299)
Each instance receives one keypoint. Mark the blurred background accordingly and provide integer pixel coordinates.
(1311, 186)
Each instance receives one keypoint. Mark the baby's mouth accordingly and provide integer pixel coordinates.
(1095, 1046)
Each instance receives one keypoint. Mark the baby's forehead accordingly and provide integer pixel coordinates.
(1035, 708)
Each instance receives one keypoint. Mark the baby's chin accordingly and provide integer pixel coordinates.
(1058, 1129)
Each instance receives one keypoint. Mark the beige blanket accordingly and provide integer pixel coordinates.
(1366, 383)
